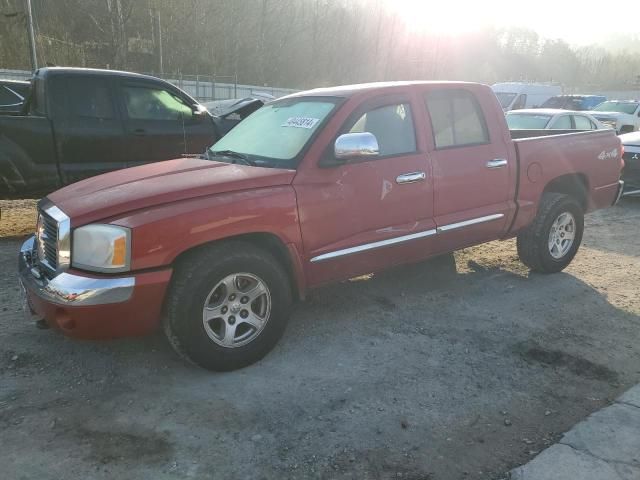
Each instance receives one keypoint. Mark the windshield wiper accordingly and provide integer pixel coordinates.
(231, 154)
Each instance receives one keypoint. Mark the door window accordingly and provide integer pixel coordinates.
(582, 123)
(89, 98)
(392, 125)
(521, 102)
(144, 103)
(456, 119)
(562, 123)
(8, 98)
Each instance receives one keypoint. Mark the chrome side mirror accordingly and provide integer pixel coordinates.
(355, 146)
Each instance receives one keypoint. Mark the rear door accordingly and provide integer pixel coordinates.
(473, 169)
(88, 129)
(369, 214)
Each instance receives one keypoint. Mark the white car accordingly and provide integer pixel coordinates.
(631, 172)
(551, 119)
(623, 115)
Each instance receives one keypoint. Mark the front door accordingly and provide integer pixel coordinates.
(156, 122)
(369, 214)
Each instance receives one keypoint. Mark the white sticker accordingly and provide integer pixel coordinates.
(300, 122)
(604, 155)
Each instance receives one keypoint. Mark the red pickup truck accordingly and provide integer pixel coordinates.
(315, 187)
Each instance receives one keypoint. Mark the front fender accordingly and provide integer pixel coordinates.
(160, 234)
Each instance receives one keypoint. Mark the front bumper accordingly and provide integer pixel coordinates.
(93, 307)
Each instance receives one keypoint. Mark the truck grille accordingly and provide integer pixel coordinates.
(47, 241)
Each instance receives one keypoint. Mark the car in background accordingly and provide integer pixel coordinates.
(622, 115)
(574, 102)
(13, 94)
(519, 95)
(228, 113)
(551, 119)
(631, 171)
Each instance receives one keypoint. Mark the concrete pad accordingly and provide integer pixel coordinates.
(631, 396)
(561, 462)
(611, 434)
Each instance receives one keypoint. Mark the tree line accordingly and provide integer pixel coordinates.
(294, 43)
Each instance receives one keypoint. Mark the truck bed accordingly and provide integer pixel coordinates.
(545, 156)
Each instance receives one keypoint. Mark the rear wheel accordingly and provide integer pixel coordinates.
(228, 306)
(549, 244)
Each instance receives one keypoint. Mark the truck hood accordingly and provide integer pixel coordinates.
(632, 138)
(609, 115)
(122, 191)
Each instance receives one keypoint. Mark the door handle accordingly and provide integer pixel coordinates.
(497, 163)
(411, 177)
(140, 132)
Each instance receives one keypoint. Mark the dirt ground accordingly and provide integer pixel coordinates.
(457, 368)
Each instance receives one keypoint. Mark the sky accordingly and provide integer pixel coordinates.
(579, 23)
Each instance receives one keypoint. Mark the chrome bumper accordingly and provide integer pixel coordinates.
(68, 289)
(620, 191)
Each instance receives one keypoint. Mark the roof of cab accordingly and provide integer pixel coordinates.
(351, 90)
(46, 71)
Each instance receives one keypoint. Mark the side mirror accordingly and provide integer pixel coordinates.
(352, 146)
(199, 111)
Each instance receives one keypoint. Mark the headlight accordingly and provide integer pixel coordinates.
(609, 123)
(101, 248)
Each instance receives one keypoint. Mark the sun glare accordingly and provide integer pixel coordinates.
(450, 18)
(550, 18)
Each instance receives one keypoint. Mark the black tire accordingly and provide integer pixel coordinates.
(626, 129)
(195, 276)
(533, 243)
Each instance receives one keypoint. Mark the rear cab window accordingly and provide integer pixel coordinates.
(89, 98)
(457, 120)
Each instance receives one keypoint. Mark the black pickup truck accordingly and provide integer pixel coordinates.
(78, 122)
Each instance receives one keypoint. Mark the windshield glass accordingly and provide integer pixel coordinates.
(566, 103)
(527, 121)
(621, 107)
(276, 133)
(505, 98)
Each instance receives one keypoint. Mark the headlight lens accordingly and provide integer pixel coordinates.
(101, 248)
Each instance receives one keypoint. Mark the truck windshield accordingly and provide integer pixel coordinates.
(566, 103)
(620, 107)
(527, 121)
(276, 134)
(505, 98)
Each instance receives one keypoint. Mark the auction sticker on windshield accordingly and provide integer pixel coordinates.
(301, 122)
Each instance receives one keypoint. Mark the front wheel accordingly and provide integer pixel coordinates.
(228, 306)
(549, 244)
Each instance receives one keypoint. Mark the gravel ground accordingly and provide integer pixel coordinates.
(458, 368)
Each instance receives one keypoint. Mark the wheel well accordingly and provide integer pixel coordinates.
(265, 241)
(574, 185)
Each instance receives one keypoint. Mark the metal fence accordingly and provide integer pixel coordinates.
(212, 87)
(203, 88)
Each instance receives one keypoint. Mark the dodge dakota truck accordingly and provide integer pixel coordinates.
(80, 122)
(316, 187)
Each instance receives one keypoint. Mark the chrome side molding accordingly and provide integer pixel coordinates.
(369, 246)
(466, 223)
(405, 238)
